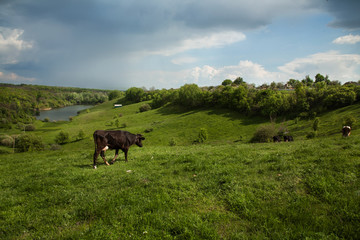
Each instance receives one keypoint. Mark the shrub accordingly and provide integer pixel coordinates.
(145, 107)
(7, 141)
(264, 133)
(117, 123)
(316, 124)
(28, 142)
(46, 119)
(203, 135)
(62, 138)
(30, 127)
(349, 121)
(81, 135)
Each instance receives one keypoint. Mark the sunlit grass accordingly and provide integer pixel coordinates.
(226, 188)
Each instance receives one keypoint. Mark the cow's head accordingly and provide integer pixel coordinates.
(138, 140)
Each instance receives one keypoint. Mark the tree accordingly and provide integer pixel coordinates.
(134, 94)
(307, 81)
(292, 82)
(238, 81)
(319, 78)
(226, 82)
(115, 94)
(190, 95)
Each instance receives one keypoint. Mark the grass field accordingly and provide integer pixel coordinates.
(226, 188)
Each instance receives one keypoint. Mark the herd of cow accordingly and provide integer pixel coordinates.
(116, 140)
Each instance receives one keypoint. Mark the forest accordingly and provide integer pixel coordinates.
(303, 99)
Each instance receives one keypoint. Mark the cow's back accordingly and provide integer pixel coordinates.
(115, 139)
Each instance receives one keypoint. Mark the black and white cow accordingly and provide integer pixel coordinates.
(123, 140)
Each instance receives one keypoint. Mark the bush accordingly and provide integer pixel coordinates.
(264, 133)
(30, 127)
(145, 107)
(316, 124)
(81, 135)
(62, 138)
(28, 142)
(7, 141)
(203, 136)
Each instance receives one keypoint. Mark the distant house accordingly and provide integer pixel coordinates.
(117, 105)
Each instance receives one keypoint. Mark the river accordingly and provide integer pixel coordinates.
(62, 114)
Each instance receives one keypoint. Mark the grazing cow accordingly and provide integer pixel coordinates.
(288, 138)
(346, 130)
(105, 140)
(276, 139)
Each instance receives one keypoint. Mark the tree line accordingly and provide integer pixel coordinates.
(297, 98)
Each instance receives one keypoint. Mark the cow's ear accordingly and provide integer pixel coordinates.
(142, 138)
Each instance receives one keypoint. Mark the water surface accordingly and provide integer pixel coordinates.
(62, 114)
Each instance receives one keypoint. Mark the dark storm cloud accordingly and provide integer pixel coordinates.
(83, 41)
(346, 13)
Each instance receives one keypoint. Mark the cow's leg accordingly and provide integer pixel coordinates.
(96, 154)
(116, 155)
(126, 151)
(102, 154)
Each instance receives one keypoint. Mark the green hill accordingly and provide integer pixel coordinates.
(225, 188)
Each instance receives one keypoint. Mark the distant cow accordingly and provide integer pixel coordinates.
(288, 138)
(276, 139)
(105, 140)
(346, 130)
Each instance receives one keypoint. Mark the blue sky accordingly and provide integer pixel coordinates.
(117, 44)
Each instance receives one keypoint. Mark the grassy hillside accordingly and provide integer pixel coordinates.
(224, 189)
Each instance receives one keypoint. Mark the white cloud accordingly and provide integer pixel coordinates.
(343, 67)
(348, 39)
(12, 77)
(213, 40)
(11, 45)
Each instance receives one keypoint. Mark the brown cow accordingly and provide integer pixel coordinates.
(105, 140)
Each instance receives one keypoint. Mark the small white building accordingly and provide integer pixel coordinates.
(117, 105)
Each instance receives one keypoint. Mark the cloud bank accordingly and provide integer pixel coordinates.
(109, 44)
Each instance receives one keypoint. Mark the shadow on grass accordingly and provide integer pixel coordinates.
(182, 111)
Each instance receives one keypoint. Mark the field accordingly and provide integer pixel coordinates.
(226, 188)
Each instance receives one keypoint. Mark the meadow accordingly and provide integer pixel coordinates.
(225, 188)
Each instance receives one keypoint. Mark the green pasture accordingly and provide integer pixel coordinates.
(226, 188)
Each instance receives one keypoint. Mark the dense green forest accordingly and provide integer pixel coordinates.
(19, 103)
(304, 99)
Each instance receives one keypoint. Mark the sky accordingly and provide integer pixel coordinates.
(118, 44)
